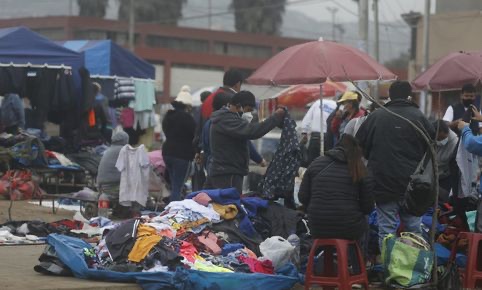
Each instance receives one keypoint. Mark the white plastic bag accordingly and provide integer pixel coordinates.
(278, 250)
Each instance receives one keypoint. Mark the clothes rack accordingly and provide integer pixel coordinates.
(117, 77)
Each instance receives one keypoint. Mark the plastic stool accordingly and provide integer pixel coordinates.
(343, 280)
(472, 275)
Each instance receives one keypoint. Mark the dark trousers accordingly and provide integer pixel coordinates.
(314, 147)
(225, 181)
(177, 169)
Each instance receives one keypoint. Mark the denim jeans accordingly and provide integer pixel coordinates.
(389, 214)
(177, 169)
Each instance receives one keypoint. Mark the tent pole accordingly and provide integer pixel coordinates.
(322, 124)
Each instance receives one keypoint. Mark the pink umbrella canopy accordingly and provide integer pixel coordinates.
(451, 72)
(317, 61)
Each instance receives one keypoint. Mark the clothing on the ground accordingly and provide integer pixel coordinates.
(107, 172)
(177, 169)
(311, 121)
(120, 241)
(12, 112)
(133, 163)
(336, 206)
(228, 140)
(227, 212)
(280, 175)
(390, 215)
(179, 128)
(393, 147)
(145, 241)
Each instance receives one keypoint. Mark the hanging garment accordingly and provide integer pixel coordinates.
(280, 175)
(145, 95)
(133, 163)
(127, 118)
(469, 165)
(124, 88)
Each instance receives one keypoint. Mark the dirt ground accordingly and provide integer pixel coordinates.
(22, 210)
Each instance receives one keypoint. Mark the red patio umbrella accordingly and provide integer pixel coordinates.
(301, 95)
(451, 72)
(316, 62)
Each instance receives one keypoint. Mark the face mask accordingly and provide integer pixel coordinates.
(341, 108)
(467, 102)
(248, 116)
(443, 142)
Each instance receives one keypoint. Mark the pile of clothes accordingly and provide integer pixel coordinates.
(213, 231)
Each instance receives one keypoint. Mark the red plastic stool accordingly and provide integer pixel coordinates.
(343, 280)
(472, 274)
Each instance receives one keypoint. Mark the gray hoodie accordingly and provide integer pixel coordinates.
(108, 173)
(12, 111)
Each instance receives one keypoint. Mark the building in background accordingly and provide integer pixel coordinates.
(181, 55)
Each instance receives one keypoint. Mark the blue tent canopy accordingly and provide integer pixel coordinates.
(20, 45)
(103, 57)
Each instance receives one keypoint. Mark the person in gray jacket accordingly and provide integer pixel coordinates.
(229, 136)
(108, 177)
(12, 114)
(446, 148)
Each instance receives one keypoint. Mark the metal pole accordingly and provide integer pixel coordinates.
(363, 24)
(426, 31)
(322, 124)
(333, 11)
(209, 17)
(377, 30)
(132, 21)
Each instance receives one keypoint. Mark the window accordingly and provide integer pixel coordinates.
(90, 34)
(242, 50)
(175, 43)
(52, 33)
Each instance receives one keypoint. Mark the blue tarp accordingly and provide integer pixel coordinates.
(70, 252)
(20, 45)
(104, 57)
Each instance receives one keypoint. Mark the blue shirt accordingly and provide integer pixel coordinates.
(472, 143)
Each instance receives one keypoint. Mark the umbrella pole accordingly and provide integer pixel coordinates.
(322, 124)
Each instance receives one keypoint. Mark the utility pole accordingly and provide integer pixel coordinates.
(210, 13)
(132, 22)
(377, 30)
(333, 11)
(363, 25)
(425, 100)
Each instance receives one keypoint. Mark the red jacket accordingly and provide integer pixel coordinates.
(336, 122)
(207, 106)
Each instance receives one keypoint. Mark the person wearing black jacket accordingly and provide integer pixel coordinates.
(394, 149)
(336, 192)
(229, 136)
(178, 151)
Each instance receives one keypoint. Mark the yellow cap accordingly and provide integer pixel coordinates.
(348, 96)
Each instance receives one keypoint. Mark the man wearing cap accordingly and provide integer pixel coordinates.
(349, 109)
(311, 125)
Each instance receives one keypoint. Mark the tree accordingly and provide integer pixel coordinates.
(93, 8)
(401, 62)
(258, 16)
(159, 11)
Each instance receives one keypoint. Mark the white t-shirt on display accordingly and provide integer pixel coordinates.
(133, 163)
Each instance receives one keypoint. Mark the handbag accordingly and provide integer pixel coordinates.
(407, 260)
(420, 193)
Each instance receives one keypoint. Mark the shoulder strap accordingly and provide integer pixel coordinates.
(324, 169)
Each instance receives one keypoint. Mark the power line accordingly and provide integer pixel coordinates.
(401, 7)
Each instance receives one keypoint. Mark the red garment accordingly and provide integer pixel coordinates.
(188, 251)
(256, 266)
(207, 106)
(127, 118)
(92, 118)
(336, 122)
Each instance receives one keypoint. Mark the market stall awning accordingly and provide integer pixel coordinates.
(104, 57)
(19, 45)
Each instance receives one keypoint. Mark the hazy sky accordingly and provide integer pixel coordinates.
(348, 9)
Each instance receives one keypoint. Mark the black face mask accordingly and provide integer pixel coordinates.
(240, 114)
(467, 102)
